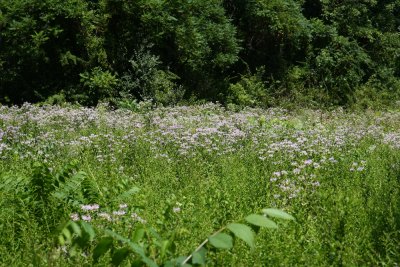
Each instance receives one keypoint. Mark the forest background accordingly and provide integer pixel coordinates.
(317, 53)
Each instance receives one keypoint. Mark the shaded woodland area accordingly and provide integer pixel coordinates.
(253, 53)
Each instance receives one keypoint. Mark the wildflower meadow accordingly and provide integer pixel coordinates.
(198, 186)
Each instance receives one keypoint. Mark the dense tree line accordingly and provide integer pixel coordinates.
(254, 52)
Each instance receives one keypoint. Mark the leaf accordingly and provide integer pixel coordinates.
(135, 247)
(102, 247)
(68, 231)
(199, 257)
(243, 232)
(75, 228)
(261, 221)
(278, 214)
(88, 229)
(127, 194)
(164, 248)
(138, 234)
(87, 236)
(61, 240)
(221, 241)
(66, 235)
(175, 262)
(119, 256)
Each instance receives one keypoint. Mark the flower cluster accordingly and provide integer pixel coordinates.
(314, 143)
(92, 212)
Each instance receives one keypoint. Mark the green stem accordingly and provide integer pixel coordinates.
(201, 245)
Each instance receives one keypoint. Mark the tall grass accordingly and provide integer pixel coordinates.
(186, 172)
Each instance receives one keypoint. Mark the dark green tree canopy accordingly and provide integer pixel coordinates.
(87, 51)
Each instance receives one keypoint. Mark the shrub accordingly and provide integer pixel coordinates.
(145, 80)
(250, 90)
(99, 84)
(339, 69)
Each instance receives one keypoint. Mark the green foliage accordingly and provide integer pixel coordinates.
(46, 44)
(145, 81)
(260, 221)
(42, 182)
(221, 241)
(81, 234)
(277, 214)
(340, 68)
(99, 83)
(77, 235)
(275, 33)
(194, 40)
(126, 51)
(249, 91)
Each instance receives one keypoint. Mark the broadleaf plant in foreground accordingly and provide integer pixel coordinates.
(82, 235)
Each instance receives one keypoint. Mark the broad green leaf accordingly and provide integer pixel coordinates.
(88, 229)
(278, 214)
(243, 232)
(138, 234)
(199, 257)
(67, 234)
(102, 247)
(61, 240)
(76, 229)
(119, 256)
(261, 221)
(164, 247)
(221, 241)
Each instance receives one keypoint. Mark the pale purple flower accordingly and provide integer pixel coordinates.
(90, 207)
(136, 217)
(316, 184)
(123, 206)
(119, 212)
(176, 209)
(308, 162)
(74, 217)
(296, 171)
(87, 218)
(105, 215)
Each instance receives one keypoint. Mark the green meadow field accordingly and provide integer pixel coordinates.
(175, 186)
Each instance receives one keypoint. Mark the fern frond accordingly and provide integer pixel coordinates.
(41, 182)
(90, 190)
(69, 190)
(13, 184)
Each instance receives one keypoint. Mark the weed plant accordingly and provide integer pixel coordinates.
(76, 180)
